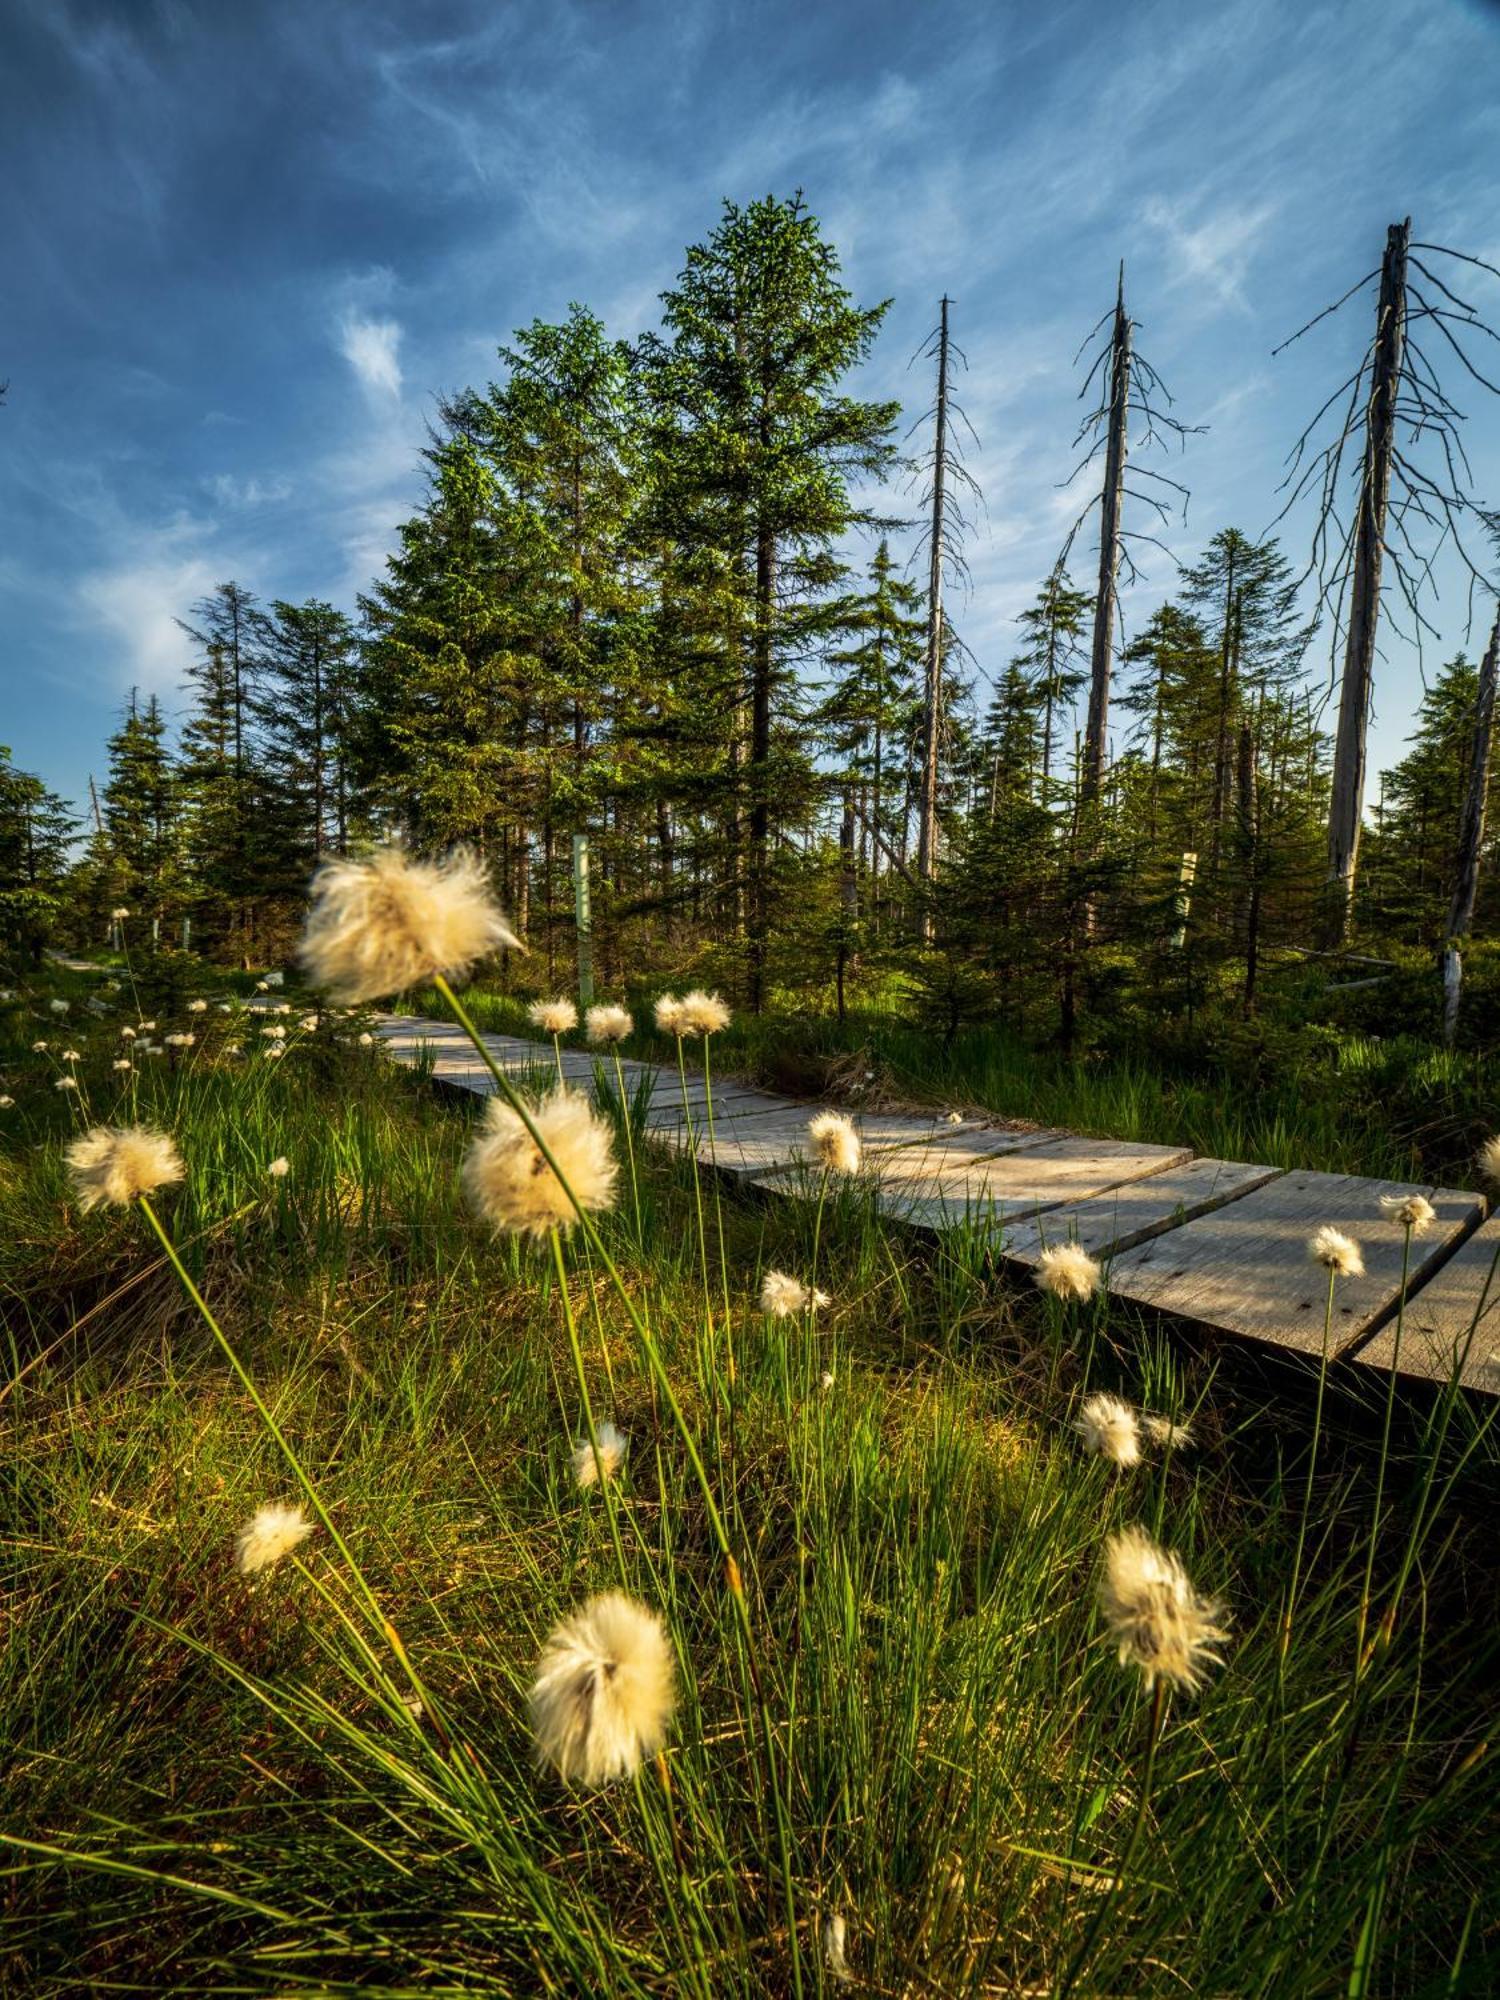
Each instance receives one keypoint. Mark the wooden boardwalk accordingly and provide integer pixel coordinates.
(1219, 1245)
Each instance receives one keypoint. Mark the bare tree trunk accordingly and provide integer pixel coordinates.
(1247, 806)
(1471, 827)
(1109, 548)
(933, 694)
(1346, 804)
(760, 758)
(848, 894)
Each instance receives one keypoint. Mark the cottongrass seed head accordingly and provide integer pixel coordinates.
(835, 1948)
(700, 1013)
(834, 1141)
(1110, 1430)
(1409, 1211)
(64, 1083)
(1166, 1434)
(613, 1445)
(508, 1180)
(604, 1693)
(1160, 1624)
(1336, 1252)
(279, 1168)
(273, 1533)
(1067, 1271)
(781, 1296)
(115, 1164)
(380, 925)
(667, 1014)
(1489, 1160)
(553, 1017)
(608, 1024)
(58, 1006)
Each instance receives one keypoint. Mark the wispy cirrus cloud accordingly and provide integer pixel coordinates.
(372, 348)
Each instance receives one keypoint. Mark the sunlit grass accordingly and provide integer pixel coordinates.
(219, 1783)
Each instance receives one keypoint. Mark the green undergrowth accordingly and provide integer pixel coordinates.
(223, 1784)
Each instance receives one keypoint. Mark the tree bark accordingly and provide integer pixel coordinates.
(927, 829)
(1346, 804)
(760, 757)
(1109, 548)
(1471, 827)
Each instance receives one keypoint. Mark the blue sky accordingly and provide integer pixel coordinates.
(247, 247)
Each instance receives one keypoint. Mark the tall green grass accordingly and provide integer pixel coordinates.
(216, 1784)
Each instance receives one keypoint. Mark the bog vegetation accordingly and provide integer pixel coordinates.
(456, 1557)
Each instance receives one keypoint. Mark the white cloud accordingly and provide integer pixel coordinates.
(252, 492)
(134, 603)
(1213, 252)
(370, 346)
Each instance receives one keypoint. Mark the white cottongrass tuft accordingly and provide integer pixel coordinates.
(508, 1180)
(827, 1379)
(127, 1033)
(604, 1693)
(1067, 1271)
(148, 1027)
(367, 1041)
(668, 1015)
(179, 1041)
(40, 1048)
(71, 1055)
(1409, 1211)
(123, 1063)
(275, 1049)
(116, 1164)
(1160, 1624)
(1109, 1429)
(64, 1083)
(834, 1141)
(275, 1033)
(1336, 1252)
(379, 926)
(613, 1445)
(197, 1006)
(700, 1013)
(835, 1955)
(274, 981)
(553, 1017)
(1168, 1435)
(6, 1103)
(118, 916)
(279, 1168)
(781, 1296)
(274, 1533)
(1489, 1160)
(608, 1024)
(58, 1006)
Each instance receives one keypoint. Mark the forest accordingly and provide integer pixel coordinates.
(689, 597)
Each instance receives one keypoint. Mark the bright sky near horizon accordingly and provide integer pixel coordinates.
(247, 248)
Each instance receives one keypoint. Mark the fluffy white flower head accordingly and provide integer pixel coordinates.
(64, 1083)
(274, 1533)
(781, 1296)
(1109, 1429)
(58, 1006)
(119, 916)
(1163, 1432)
(835, 1952)
(604, 1692)
(6, 1103)
(553, 1017)
(508, 1180)
(1409, 1211)
(1336, 1252)
(835, 1142)
(1489, 1160)
(378, 926)
(613, 1445)
(701, 1013)
(127, 1034)
(279, 1168)
(115, 1164)
(1160, 1624)
(1067, 1271)
(608, 1024)
(197, 1006)
(668, 1015)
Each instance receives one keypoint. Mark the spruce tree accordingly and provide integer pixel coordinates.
(36, 828)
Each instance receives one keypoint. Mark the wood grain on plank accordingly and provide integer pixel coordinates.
(1460, 1299)
(995, 1189)
(1122, 1217)
(1245, 1269)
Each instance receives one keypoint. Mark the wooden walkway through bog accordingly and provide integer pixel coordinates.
(1217, 1244)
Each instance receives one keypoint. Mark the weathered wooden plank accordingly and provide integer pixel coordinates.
(1245, 1269)
(1461, 1298)
(1109, 1223)
(997, 1188)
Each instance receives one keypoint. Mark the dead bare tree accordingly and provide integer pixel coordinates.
(1393, 406)
(1131, 387)
(1471, 832)
(943, 538)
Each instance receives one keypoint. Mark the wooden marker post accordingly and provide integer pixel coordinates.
(583, 919)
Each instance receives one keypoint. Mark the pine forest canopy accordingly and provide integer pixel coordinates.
(655, 595)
